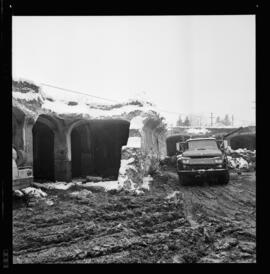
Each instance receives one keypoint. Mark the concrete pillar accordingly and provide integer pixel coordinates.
(62, 163)
(28, 141)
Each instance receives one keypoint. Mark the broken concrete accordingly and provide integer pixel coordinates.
(64, 141)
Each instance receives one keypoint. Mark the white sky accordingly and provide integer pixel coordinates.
(185, 64)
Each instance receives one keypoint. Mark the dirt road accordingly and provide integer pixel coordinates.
(197, 224)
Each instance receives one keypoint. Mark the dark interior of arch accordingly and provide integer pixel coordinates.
(43, 152)
(96, 148)
(171, 143)
(247, 141)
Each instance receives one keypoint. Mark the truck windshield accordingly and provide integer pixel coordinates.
(202, 144)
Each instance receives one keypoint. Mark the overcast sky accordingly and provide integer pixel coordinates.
(185, 64)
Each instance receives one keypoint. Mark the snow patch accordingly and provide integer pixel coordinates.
(134, 142)
(137, 122)
(125, 164)
(57, 185)
(146, 182)
(31, 191)
(107, 185)
(62, 107)
(175, 194)
(238, 162)
(28, 96)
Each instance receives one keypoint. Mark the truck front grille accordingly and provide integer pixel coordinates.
(190, 167)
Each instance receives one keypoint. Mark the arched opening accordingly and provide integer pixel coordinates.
(171, 142)
(43, 152)
(96, 147)
(247, 141)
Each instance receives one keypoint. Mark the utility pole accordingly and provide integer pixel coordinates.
(212, 117)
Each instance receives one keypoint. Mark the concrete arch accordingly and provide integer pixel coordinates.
(94, 146)
(50, 121)
(49, 162)
(75, 124)
(171, 142)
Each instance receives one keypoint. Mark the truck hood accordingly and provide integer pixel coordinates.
(202, 153)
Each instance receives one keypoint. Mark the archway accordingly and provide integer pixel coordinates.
(171, 142)
(96, 147)
(247, 141)
(43, 151)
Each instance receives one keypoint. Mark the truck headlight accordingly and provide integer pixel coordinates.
(185, 160)
(218, 160)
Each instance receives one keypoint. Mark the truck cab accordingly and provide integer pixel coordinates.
(200, 157)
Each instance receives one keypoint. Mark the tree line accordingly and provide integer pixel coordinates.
(226, 121)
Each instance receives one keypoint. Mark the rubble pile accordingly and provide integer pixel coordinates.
(241, 159)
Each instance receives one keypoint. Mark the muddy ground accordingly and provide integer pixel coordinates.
(199, 224)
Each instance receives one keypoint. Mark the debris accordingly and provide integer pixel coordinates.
(93, 179)
(31, 191)
(247, 246)
(175, 195)
(49, 202)
(81, 194)
(226, 243)
(241, 159)
(56, 185)
(18, 193)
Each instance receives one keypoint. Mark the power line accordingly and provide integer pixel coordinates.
(78, 92)
(102, 98)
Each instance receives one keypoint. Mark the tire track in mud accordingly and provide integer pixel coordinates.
(124, 228)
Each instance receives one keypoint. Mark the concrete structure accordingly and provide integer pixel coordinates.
(62, 141)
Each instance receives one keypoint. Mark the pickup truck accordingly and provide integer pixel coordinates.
(201, 157)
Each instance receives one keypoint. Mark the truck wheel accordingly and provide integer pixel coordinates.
(224, 178)
(183, 179)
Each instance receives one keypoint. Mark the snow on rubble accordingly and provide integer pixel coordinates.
(34, 192)
(56, 185)
(197, 131)
(241, 158)
(29, 96)
(62, 102)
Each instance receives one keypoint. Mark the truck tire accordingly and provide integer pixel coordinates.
(224, 178)
(183, 179)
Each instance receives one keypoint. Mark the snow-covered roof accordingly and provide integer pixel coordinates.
(58, 102)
